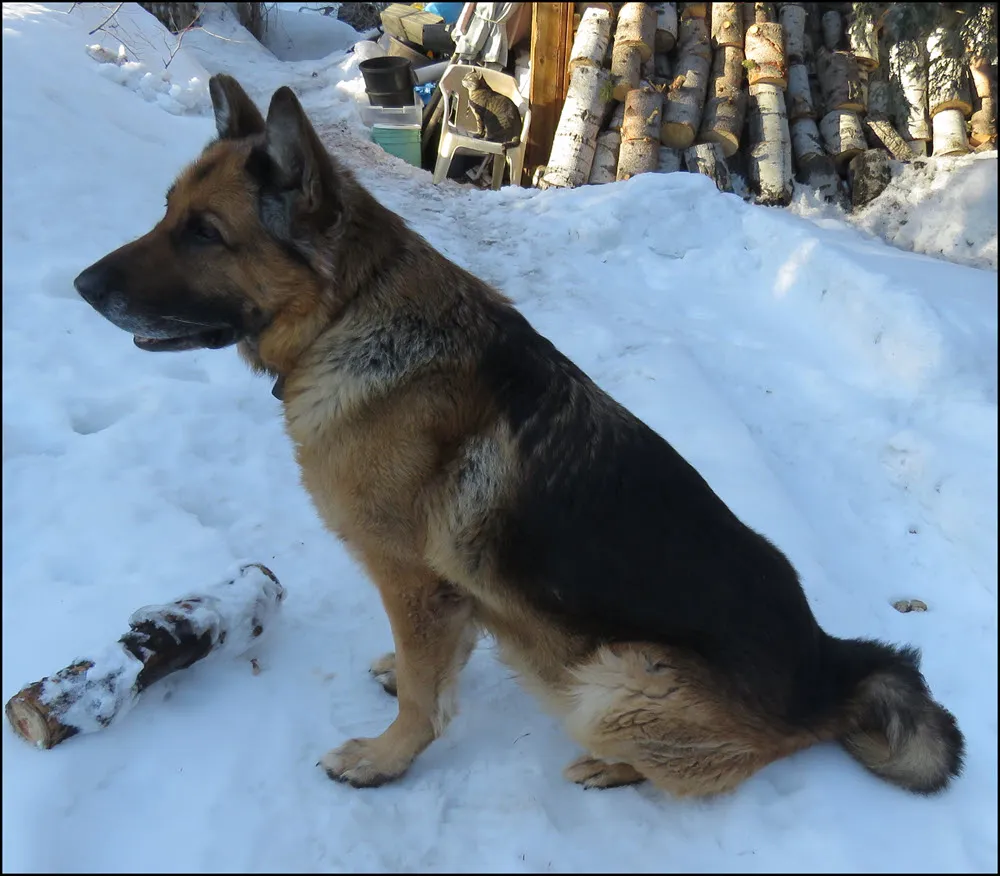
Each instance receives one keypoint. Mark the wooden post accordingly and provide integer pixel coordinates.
(551, 44)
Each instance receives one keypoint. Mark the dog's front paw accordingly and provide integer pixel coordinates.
(358, 763)
(591, 772)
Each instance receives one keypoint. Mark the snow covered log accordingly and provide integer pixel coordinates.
(799, 94)
(572, 153)
(862, 32)
(637, 156)
(770, 156)
(727, 26)
(946, 83)
(843, 135)
(840, 81)
(637, 28)
(91, 694)
(813, 166)
(908, 76)
(626, 69)
(984, 120)
(605, 167)
(666, 27)
(669, 160)
(793, 19)
(867, 176)
(643, 112)
(765, 51)
(833, 30)
(592, 37)
(949, 133)
(708, 160)
(685, 99)
(725, 110)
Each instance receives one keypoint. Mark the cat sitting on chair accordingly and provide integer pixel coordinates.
(497, 117)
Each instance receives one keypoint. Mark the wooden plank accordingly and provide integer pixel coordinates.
(551, 43)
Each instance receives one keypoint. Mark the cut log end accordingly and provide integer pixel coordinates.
(957, 103)
(727, 142)
(677, 135)
(33, 722)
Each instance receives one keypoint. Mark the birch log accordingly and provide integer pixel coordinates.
(984, 120)
(708, 160)
(638, 156)
(643, 112)
(666, 27)
(881, 129)
(661, 68)
(840, 81)
(592, 37)
(843, 135)
(626, 69)
(798, 98)
(727, 26)
(725, 110)
(637, 28)
(862, 32)
(793, 20)
(770, 156)
(685, 100)
(833, 30)
(879, 98)
(669, 160)
(813, 166)
(949, 133)
(765, 51)
(946, 82)
(572, 154)
(694, 10)
(908, 75)
(758, 13)
(91, 694)
(605, 165)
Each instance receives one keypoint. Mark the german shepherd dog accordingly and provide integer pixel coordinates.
(486, 483)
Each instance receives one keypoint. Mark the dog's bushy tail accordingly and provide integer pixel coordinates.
(890, 722)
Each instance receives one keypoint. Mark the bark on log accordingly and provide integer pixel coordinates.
(626, 69)
(637, 156)
(843, 135)
(883, 132)
(617, 117)
(669, 160)
(572, 154)
(605, 167)
(93, 693)
(813, 166)
(765, 51)
(727, 25)
(833, 30)
(707, 159)
(694, 10)
(949, 133)
(590, 46)
(840, 80)
(758, 13)
(984, 119)
(867, 176)
(862, 34)
(908, 75)
(879, 97)
(637, 28)
(918, 147)
(770, 157)
(666, 27)
(661, 68)
(643, 114)
(946, 83)
(793, 20)
(799, 94)
(685, 100)
(725, 110)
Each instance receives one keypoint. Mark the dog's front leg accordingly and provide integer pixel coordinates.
(433, 633)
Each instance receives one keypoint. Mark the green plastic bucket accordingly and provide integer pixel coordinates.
(403, 142)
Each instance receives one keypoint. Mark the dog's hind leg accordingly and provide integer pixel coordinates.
(433, 632)
(662, 715)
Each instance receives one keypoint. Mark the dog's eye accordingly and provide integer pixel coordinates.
(203, 231)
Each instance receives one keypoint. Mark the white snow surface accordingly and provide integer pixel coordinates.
(839, 394)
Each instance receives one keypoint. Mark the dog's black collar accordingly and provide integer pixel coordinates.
(278, 390)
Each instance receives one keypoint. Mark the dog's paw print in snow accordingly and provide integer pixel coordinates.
(96, 415)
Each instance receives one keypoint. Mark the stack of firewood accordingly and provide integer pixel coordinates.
(772, 92)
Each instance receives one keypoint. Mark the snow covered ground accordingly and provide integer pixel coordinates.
(840, 394)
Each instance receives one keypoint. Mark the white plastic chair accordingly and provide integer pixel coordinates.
(454, 136)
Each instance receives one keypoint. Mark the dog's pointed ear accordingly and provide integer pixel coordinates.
(236, 116)
(299, 162)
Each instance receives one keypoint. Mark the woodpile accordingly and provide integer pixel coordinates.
(817, 93)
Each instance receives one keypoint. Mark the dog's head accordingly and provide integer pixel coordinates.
(238, 250)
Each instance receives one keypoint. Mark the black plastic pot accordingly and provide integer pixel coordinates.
(389, 80)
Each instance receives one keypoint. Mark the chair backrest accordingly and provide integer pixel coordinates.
(451, 85)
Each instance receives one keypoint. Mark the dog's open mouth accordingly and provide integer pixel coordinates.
(211, 339)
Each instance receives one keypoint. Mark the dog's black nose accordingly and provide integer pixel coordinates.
(93, 285)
